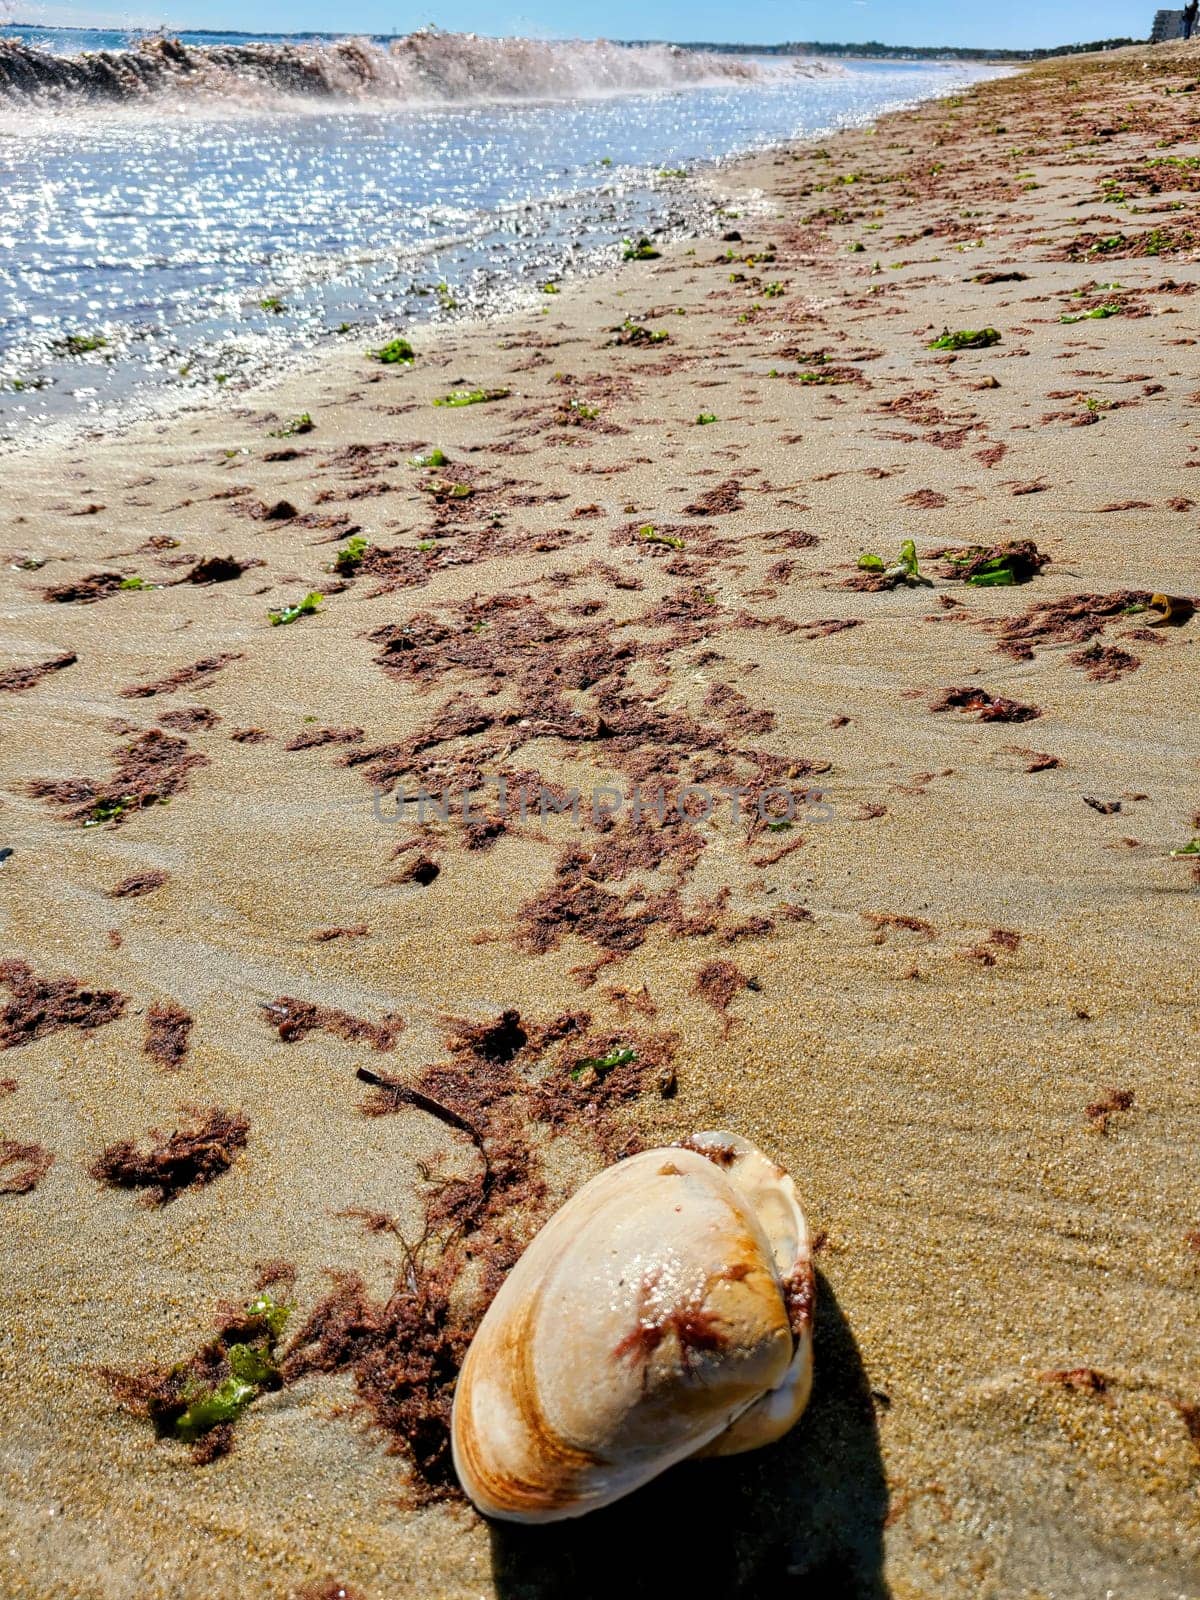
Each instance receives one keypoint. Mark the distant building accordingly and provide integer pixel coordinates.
(1167, 25)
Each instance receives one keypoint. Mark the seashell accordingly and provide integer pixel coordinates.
(1170, 610)
(664, 1312)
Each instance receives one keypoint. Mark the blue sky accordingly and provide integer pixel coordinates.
(1019, 23)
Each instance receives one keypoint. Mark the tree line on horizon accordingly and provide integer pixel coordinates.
(872, 50)
(901, 52)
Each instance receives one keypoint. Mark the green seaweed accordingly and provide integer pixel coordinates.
(903, 570)
(1156, 241)
(1001, 566)
(447, 489)
(301, 424)
(471, 397)
(618, 1056)
(965, 339)
(1192, 849)
(998, 573)
(137, 583)
(638, 250)
(252, 1368)
(223, 1404)
(649, 534)
(632, 332)
(396, 353)
(349, 557)
(308, 607)
(1095, 312)
(272, 303)
(79, 344)
(105, 811)
(704, 418)
(436, 457)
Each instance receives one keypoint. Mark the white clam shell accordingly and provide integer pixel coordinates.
(665, 1311)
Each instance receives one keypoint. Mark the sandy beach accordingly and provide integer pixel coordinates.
(937, 959)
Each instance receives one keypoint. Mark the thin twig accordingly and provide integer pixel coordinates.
(413, 1097)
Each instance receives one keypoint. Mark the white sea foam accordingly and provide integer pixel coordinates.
(425, 68)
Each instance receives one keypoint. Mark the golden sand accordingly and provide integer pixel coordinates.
(925, 1077)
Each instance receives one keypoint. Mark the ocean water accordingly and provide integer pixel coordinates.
(210, 216)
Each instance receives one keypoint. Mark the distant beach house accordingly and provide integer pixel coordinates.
(1167, 25)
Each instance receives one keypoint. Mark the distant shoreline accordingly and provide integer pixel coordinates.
(870, 51)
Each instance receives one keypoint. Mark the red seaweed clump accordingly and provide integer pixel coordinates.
(194, 1154)
(1104, 663)
(297, 1018)
(84, 591)
(138, 884)
(150, 771)
(189, 719)
(22, 1166)
(43, 1005)
(718, 502)
(718, 983)
(1076, 619)
(596, 1074)
(17, 679)
(217, 569)
(991, 707)
(404, 1352)
(196, 675)
(315, 738)
(1100, 1111)
(1083, 1380)
(168, 1034)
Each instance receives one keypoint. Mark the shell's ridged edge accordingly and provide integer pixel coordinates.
(800, 1297)
(777, 1411)
(508, 1497)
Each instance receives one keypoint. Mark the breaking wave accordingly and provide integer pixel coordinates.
(429, 67)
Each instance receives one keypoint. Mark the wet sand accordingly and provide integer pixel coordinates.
(956, 998)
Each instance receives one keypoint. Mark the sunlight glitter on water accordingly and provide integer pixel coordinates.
(205, 247)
